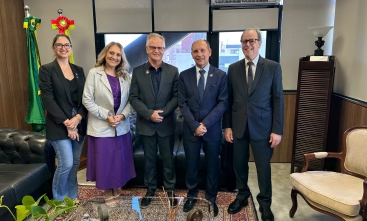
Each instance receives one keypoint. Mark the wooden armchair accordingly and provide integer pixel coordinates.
(341, 195)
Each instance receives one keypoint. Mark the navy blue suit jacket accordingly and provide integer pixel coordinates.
(263, 108)
(210, 110)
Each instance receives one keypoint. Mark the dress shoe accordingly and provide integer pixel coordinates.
(215, 209)
(147, 199)
(190, 203)
(237, 205)
(171, 196)
(266, 214)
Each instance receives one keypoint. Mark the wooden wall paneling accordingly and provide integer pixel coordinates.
(345, 113)
(14, 74)
(4, 81)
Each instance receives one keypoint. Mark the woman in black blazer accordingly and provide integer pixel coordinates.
(61, 85)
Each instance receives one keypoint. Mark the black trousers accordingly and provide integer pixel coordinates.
(165, 145)
(262, 155)
(192, 153)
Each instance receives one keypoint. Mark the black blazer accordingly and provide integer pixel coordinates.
(55, 94)
(263, 108)
(143, 99)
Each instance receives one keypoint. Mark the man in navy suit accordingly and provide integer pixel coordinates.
(254, 116)
(202, 98)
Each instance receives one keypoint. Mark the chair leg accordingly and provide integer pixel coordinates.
(292, 211)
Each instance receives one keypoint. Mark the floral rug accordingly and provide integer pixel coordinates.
(223, 200)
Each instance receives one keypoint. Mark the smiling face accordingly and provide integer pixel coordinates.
(250, 50)
(201, 53)
(62, 47)
(113, 56)
(155, 49)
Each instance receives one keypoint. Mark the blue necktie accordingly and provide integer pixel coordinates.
(201, 84)
(250, 77)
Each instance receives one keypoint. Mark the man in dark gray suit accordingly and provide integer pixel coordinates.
(153, 95)
(254, 116)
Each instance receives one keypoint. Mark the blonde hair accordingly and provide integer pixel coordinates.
(122, 69)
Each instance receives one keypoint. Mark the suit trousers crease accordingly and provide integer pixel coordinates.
(192, 153)
(262, 155)
(165, 145)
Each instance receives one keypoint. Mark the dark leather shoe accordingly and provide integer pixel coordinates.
(266, 214)
(190, 203)
(169, 194)
(215, 209)
(236, 206)
(147, 199)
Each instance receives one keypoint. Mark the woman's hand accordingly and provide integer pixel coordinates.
(72, 123)
(73, 134)
(113, 121)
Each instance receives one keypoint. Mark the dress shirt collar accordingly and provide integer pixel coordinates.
(253, 61)
(206, 68)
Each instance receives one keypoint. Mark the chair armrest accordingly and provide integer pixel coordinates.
(363, 201)
(319, 155)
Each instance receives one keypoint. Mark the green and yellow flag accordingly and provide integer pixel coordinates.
(35, 110)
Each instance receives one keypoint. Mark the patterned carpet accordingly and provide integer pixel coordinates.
(223, 200)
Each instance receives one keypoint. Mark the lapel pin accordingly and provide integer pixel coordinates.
(211, 75)
(147, 72)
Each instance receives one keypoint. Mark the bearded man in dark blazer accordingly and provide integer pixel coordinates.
(153, 95)
(254, 117)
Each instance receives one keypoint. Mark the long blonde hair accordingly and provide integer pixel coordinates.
(122, 69)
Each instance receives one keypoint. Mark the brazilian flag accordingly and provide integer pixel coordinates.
(35, 110)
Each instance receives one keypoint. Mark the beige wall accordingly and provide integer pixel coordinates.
(347, 41)
(350, 48)
(297, 40)
(82, 37)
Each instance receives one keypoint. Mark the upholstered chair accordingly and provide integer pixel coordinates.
(342, 195)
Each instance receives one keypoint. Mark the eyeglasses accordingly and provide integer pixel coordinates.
(59, 45)
(153, 48)
(251, 41)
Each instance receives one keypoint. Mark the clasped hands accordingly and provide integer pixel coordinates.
(156, 117)
(200, 131)
(71, 125)
(115, 120)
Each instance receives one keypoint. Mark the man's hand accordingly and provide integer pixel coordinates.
(228, 135)
(275, 139)
(156, 117)
(200, 131)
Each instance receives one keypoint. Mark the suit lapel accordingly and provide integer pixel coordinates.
(80, 81)
(104, 78)
(194, 82)
(209, 79)
(242, 73)
(258, 73)
(164, 74)
(148, 78)
(62, 78)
